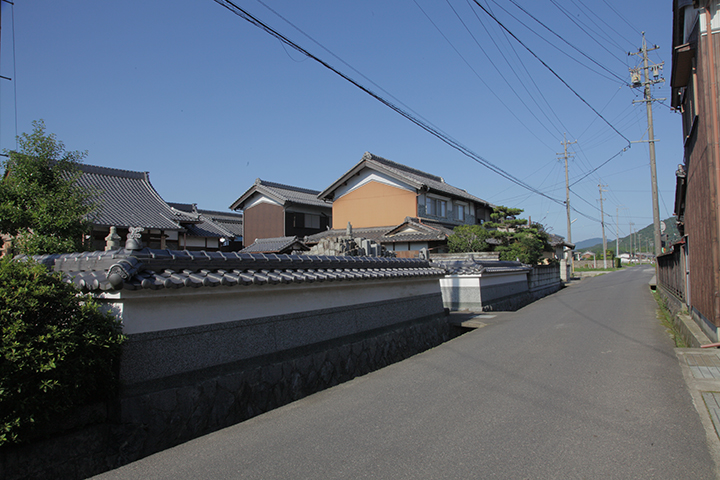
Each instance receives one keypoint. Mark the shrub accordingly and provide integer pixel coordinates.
(468, 238)
(58, 349)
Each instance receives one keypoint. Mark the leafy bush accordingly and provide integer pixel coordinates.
(58, 350)
(468, 238)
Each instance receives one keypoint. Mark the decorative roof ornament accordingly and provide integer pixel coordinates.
(133, 239)
(112, 241)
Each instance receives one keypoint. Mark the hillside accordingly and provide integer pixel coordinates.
(585, 244)
(643, 239)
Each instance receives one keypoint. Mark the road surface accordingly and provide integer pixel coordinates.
(581, 384)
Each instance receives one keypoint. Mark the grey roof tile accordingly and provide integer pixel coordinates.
(275, 245)
(415, 177)
(127, 199)
(283, 194)
(171, 269)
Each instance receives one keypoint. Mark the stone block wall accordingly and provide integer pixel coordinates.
(154, 414)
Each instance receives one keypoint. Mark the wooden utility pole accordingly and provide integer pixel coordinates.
(602, 223)
(646, 83)
(565, 155)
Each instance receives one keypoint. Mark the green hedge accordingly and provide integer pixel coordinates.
(58, 349)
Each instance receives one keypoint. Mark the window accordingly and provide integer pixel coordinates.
(436, 207)
(460, 212)
(312, 221)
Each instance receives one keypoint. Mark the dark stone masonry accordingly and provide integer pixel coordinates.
(140, 423)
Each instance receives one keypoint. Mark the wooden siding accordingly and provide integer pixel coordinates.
(701, 214)
(263, 220)
(374, 205)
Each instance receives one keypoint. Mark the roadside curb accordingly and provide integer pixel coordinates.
(701, 371)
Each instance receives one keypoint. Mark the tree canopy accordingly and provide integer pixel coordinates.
(41, 206)
(512, 237)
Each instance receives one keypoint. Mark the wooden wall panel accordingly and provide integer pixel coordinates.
(263, 220)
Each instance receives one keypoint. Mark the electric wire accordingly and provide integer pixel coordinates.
(551, 70)
(232, 7)
(432, 22)
(495, 66)
(621, 79)
(591, 10)
(529, 77)
(339, 59)
(584, 28)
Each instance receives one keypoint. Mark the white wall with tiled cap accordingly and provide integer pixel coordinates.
(155, 310)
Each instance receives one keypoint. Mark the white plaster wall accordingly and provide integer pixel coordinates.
(489, 279)
(366, 176)
(156, 310)
(257, 199)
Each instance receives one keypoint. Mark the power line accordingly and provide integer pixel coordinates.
(232, 7)
(622, 80)
(483, 81)
(551, 70)
(585, 28)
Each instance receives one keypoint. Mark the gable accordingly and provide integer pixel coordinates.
(367, 175)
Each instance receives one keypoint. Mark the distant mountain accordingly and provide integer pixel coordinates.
(641, 241)
(590, 242)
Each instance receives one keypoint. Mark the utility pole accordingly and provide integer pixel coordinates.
(565, 155)
(632, 242)
(602, 222)
(617, 232)
(646, 83)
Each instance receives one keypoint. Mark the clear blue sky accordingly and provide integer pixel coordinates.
(207, 102)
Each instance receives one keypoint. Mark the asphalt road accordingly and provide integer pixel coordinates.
(580, 384)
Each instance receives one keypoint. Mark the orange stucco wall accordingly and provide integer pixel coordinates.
(374, 205)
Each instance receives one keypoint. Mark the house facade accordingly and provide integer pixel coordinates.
(273, 210)
(412, 208)
(695, 70)
(127, 199)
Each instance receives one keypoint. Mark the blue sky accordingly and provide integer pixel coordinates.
(207, 102)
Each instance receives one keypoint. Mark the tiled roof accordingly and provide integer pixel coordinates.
(208, 223)
(171, 269)
(426, 231)
(422, 232)
(557, 240)
(414, 177)
(474, 267)
(281, 193)
(230, 221)
(127, 199)
(275, 245)
(371, 233)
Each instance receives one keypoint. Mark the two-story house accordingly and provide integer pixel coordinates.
(695, 92)
(273, 210)
(413, 209)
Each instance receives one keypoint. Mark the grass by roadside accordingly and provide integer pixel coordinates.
(667, 319)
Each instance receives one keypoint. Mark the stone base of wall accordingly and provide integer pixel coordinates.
(145, 422)
(689, 329)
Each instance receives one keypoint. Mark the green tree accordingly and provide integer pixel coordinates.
(469, 238)
(41, 205)
(516, 240)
